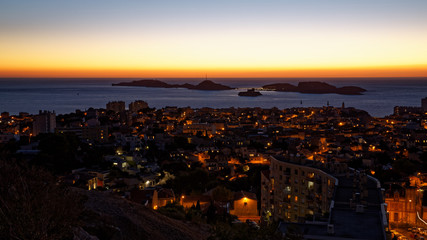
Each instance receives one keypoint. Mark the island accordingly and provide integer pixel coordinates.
(250, 93)
(205, 85)
(315, 88)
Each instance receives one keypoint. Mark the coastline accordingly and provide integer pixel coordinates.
(32, 95)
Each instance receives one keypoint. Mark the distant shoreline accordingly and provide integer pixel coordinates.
(205, 85)
(61, 95)
(312, 87)
(315, 88)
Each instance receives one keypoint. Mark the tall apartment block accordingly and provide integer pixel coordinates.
(137, 105)
(323, 199)
(44, 122)
(424, 104)
(116, 106)
(294, 190)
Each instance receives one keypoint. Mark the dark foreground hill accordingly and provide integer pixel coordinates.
(108, 216)
(34, 206)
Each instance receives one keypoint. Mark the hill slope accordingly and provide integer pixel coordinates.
(111, 217)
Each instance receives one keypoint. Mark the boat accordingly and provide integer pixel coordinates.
(250, 93)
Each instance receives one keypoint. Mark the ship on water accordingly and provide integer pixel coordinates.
(250, 93)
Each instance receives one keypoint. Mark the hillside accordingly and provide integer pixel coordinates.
(110, 217)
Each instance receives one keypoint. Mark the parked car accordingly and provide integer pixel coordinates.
(236, 221)
(252, 224)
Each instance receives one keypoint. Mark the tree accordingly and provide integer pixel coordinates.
(173, 210)
(405, 166)
(222, 194)
(211, 213)
(196, 181)
(58, 152)
(32, 206)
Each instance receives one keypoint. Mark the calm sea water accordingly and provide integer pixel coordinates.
(67, 95)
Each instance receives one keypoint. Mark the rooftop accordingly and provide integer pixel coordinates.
(352, 224)
(356, 211)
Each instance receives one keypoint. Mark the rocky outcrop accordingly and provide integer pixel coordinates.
(315, 88)
(250, 93)
(80, 234)
(350, 90)
(108, 216)
(303, 87)
(205, 85)
(209, 85)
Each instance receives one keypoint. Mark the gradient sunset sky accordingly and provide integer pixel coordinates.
(221, 38)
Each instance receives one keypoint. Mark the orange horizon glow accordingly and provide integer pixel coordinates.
(234, 39)
(374, 72)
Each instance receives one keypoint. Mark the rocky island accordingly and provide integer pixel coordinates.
(250, 93)
(315, 88)
(302, 87)
(205, 85)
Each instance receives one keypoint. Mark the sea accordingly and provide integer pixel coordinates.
(67, 95)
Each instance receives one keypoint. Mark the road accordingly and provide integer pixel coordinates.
(406, 233)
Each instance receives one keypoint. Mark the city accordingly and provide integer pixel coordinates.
(303, 173)
(213, 120)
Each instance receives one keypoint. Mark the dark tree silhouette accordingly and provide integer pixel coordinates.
(32, 206)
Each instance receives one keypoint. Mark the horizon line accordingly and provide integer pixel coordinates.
(154, 78)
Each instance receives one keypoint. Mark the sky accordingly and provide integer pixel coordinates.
(221, 38)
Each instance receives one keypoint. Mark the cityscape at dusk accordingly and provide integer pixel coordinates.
(213, 120)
